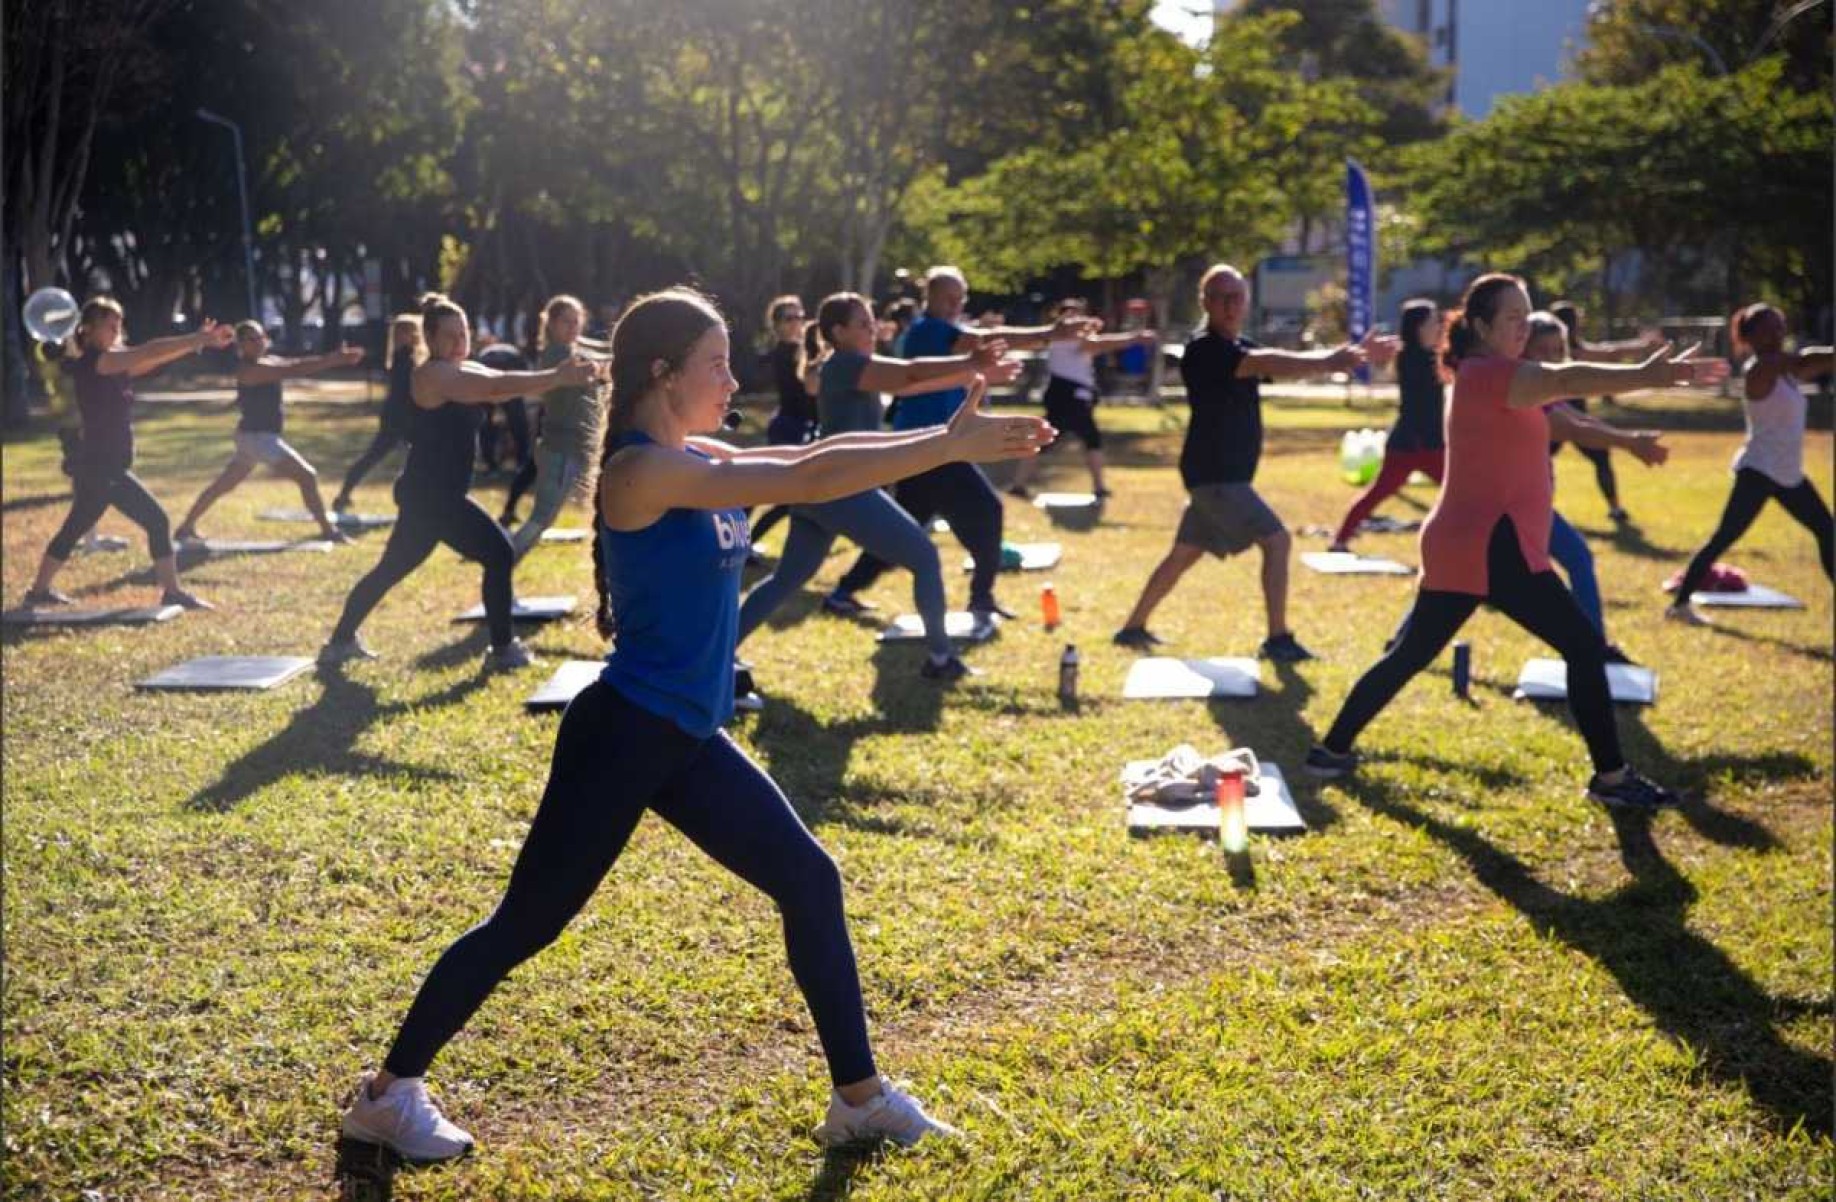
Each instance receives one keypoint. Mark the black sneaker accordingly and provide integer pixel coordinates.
(46, 598)
(1284, 649)
(1103, 494)
(846, 605)
(1329, 765)
(1616, 655)
(995, 608)
(1021, 491)
(946, 671)
(1140, 638)
(742, 680)
(1633, 792)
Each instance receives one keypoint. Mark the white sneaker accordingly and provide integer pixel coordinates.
(338, 651)
(406, 1121)
(509, 657)
(890, 1114)
(984, 624)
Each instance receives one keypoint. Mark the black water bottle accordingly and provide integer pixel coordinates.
(1462, 669)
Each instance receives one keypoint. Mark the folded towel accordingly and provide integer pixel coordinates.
(1183, 777)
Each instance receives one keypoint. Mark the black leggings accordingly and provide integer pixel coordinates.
(1752, 489)
(422, 523)
(962, 494)
(1539, 603)
(613, 760)
(96, 490)
(385, 441)
(522, 482)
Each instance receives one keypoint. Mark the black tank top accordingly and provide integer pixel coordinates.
(261, 407)
(443, 444)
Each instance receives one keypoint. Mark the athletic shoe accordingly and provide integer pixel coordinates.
(185, 600)
(405, 1121)
(742, 680)
(948, 670)
(1618, 514)
(995, 608)
(509, 657)
(1021, 491)
(1633, 792)
(984, 624)
(1103, 494)
(1326, 764)
(187, 538)
(103, 542)
(889, 1114)
(846, 605)
(336, 537)
(338, 651)
(1284, 649)
(46, 598)
(1339, 549)
(1140, 638)
(1685, 613)
(1616, 655)
(341, 505)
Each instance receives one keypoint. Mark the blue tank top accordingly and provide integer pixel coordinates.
(675, 597)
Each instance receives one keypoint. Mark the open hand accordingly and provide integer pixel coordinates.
(212, 336)
(1647, 446)
(1663, 369)
(1380, 349)
(980, 437)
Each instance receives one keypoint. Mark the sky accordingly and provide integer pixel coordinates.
(1190, 19)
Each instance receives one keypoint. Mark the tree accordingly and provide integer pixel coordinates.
(1631, 40)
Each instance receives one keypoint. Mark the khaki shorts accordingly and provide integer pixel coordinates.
(1225, 519)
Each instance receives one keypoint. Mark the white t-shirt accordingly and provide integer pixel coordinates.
(1775, 434)
(1065, 358)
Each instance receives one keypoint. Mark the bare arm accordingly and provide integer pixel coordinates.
(1288, 365)
(1536, 383)
(729, 453)
(646, 482)
(268, 370)
(1765, 370)
(468, 383)
(1567, 424)
(1022, 338)
(1102, 344)
(1629, 350)
(155, 354)
(903, 377)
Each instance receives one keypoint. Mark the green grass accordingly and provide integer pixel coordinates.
(1467, 982)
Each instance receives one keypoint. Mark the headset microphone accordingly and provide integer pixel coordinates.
(732, 421)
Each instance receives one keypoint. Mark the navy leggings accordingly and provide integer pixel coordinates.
(962, 494)
(96, 490)
(1752, 489)
(1539, 603)
(613, 760)
(423, 522)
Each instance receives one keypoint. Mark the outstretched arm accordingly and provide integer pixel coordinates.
(1288, 365)
(1545, 383)
(903, 377)
(269, 370)
(469, 383)
(1764, 372)
(155, 354)
(1627, 350)
(1566, 424)
(1023, 338)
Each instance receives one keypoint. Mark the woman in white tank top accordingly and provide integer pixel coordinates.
(1071, 392)
(1770, 463)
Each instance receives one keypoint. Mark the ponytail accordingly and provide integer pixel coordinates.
(1740, 328)
(435, 308)
(657, 331)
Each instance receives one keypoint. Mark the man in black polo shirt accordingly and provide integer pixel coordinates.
(1223, 372)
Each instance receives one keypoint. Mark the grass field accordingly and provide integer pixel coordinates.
(1467, 982)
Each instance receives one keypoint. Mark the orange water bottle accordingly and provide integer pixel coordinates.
(1233, 824)
(1048, 605)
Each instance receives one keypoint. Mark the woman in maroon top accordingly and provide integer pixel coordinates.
(1487, 539)
(103, 371)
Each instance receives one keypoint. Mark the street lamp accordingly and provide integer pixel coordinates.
(242, 187)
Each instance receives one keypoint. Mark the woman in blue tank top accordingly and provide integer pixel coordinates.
(646, 735)
(432, 508)
(258, 429)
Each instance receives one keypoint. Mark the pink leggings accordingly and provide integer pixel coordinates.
(1390, 477)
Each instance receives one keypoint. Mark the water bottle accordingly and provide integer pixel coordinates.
(1048, 606)
(1233, 824)
(1067, 677)
(1462, 668)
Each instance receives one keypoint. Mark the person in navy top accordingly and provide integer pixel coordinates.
(102, 462)
(646, 735)
(959, 492)
(1223, 371)
(258, 430)
(406, 351)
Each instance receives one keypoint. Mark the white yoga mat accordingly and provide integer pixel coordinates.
(214, 673)
(359, 521)
(566, 534)
(959, 624)
(1271, 811)
(253, 546)
(1034, 557)
(1349, 563)
(1755, 596)
(561, 688)
(526, 609)
(1547, 680)
(1066, 500)
(127, 616)
(1162, 678)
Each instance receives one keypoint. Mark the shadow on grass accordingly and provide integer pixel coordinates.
(1722, 629)
(320, 739)
(1628, 538)
(1640, 934)
(834, 1182)
(39, 501)
(1272, 726)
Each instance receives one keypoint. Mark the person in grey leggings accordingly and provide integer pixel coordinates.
(848, 403)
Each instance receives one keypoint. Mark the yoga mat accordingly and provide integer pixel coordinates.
(126, 616)
(1162, 678)
(526, 609)
(1348, 563)
(1547, 680)
(213, 673)
(909, 628)
(1270, 812)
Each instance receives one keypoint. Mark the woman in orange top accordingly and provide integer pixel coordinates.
(1487, 539)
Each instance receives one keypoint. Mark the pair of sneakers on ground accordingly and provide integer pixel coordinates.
(1280, 648)
(50, 598)
(406, 1121)
(508, 658)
